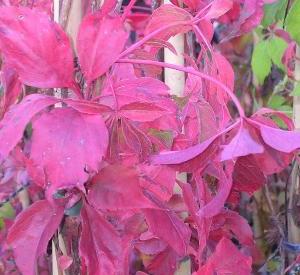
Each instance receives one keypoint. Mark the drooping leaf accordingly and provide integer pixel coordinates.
(284, 141)
(14, 122)
(67, 146)
(12, 88)
(95, 53)
(242, 144)
(170, 228)
(100, 246)
(36, 48)
(177, 157)
(31, 232)
(216, 204)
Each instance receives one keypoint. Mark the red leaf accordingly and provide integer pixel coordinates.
(230, 224)
(117, 187)
(167, 226)
(68, 145)
(100, 247)
(31, 232)
(164, 263)
(214, 207)
(247, 175)
(226, 259)
(36, 48)
(14, 122)
(12, 88)
(166, 15)
(159, 180)
(100, 41)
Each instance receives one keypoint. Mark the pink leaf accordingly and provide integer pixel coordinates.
(218, 8)
(14, 122)
(12, 88)
(36, 48)
(100, 245)
(117, 187)
(31, 232)
(143, 112)
(177, 157)
(67, 146)
(226, 259)
(65, 262)
(159, 180)
(166, 15)
(164, 263)
(284, 141)
(231, 224)
(243, 143)
(214, 207)
(100, 41)
(167, 226)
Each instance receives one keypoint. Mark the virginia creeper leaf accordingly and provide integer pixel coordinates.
(67, 146)
(226, 259)
(170, 228)
(31, 232)
(100, 41)
(293, 20)
(117, 187)
(14, 122)
(261, 62)
(100, 245)
(242, 144)
(37, 48)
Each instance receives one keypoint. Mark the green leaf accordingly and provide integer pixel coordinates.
(276, 101)
(292, 22)
(274, 12)
(261, 62)
(296, 90)
(276, 50)
(2, 224)
(7, 211)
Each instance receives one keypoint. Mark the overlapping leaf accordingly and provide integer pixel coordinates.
(67, 150)
(36, 47)
(31, 232)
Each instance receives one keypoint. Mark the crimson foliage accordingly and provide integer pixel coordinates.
(113, 146)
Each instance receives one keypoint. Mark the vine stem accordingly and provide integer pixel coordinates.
(138, 44)
(190, 71)
(293, 229)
